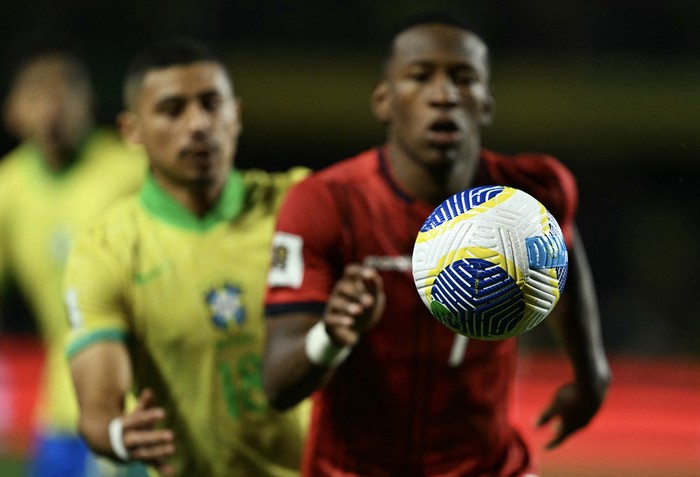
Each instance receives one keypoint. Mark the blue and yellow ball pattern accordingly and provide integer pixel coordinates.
(490, 262)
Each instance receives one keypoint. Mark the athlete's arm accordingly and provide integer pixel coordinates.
(577, 324)
(291, 372)
(102, 378)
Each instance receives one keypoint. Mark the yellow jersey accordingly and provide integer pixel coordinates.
(41, 210)
(186, 295)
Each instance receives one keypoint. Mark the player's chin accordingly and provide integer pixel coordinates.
(441, 154)
(209, 174)
(200, 177)
(205, 180)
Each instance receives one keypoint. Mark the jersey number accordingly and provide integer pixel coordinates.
(243, 385)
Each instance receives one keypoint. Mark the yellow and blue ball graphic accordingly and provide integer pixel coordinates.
(490, 262)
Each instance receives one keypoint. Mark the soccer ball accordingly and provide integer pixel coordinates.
(490, 262)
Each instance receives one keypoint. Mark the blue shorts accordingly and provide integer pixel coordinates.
(69, 456)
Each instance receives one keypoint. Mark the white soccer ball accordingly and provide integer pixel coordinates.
(490, 262)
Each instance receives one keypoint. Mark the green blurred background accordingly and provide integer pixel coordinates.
(611, 88)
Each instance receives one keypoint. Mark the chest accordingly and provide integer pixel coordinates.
(46, 216)
(191, 289)
(378, 226)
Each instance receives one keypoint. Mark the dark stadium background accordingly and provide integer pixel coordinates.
(611, 88)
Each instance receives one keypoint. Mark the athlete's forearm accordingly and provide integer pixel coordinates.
(101, 376)
(289, 376)
(579, 324)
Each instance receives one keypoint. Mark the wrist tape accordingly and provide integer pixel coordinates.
(116, 439)
(321, 350)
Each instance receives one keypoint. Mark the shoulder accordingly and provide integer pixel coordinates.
(106, 146)
(527, 165)
(350, 170)
(269, 188)
(260, 179)
(118, 226)
(313, 207)
(107, 140)
(541, 175)
(18, 174)
(13, 161)
(352, 173)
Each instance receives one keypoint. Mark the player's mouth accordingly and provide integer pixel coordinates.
(200, 154)
(444, 133)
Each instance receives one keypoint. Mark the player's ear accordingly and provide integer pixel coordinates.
(381, 102)
(128, 126)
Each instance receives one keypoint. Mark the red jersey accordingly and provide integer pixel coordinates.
(410, 399)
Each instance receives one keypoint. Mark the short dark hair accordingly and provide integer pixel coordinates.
(434, 17)
(160, 55)
(426, 18)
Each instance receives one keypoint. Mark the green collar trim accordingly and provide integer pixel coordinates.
(163, 206)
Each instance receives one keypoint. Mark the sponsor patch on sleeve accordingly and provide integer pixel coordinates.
(75, 318)
(287, 265)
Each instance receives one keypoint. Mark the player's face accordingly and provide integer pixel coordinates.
(187, 119)
(50, 107)
(435, 97)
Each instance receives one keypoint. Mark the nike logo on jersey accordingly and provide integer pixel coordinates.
(143, 278)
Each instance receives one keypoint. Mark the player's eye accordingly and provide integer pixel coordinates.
(420, 76)
(212, 102)
(171, 107)
(464, 76)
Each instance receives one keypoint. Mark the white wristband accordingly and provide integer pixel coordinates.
(321, 350)
(116, 439)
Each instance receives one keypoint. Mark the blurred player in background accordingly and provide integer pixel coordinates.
(61, 176)
(397, 392)
(166, 292)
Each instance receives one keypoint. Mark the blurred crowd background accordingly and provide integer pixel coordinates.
(611, 88)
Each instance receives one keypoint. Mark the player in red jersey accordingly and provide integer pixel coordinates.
(396, 392)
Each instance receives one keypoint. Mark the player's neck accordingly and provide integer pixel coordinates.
(432, 183)
(61, 154)
(197, 199)
(57, 158)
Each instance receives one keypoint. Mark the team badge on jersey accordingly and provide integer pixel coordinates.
(287, 264)
(226, 306)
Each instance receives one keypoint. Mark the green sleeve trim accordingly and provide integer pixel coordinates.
(91, 338)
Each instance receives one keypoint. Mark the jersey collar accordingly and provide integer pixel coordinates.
(163, 206)
(386, 170)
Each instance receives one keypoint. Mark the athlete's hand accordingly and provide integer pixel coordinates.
(355, 305)
(573, 407)
(143, 439)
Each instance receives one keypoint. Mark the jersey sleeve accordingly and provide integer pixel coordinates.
(94, 290)
(555, 186)
(302, 271)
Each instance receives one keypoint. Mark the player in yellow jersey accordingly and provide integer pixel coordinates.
(165, 293)
(62, 175)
